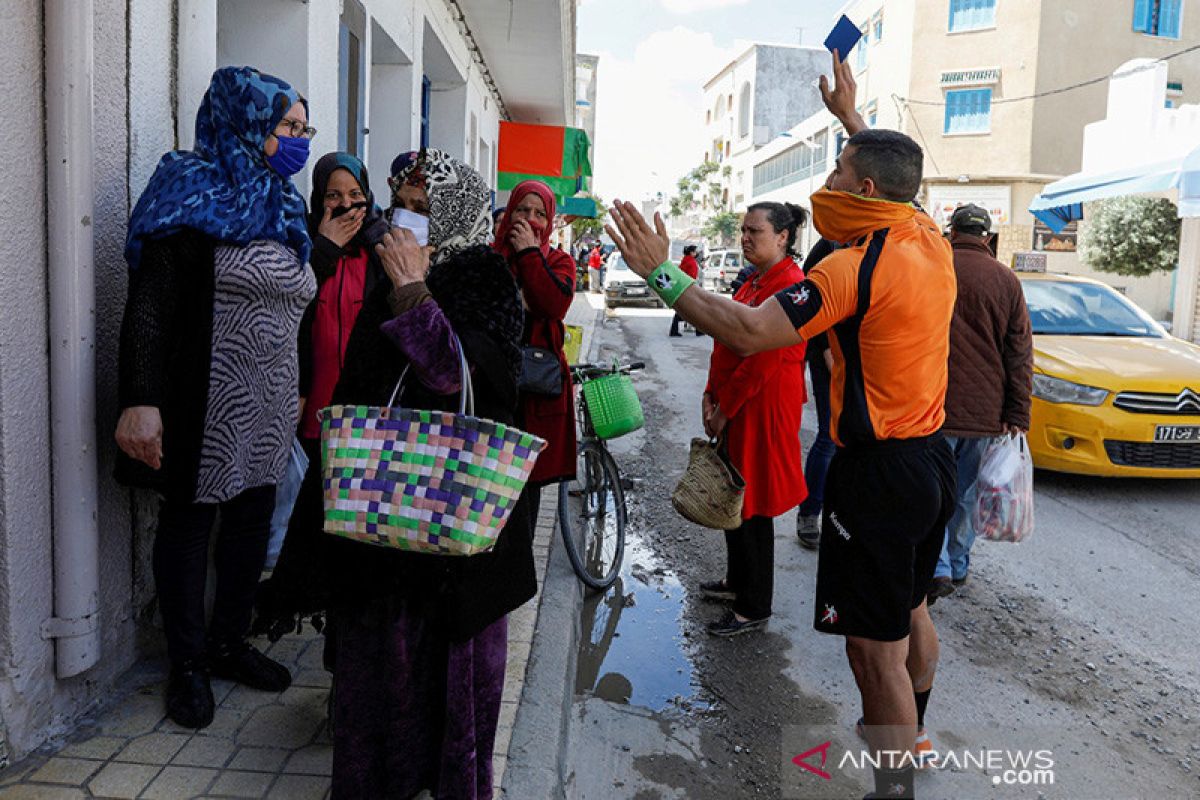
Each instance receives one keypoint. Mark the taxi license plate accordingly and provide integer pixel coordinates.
(1177, 433)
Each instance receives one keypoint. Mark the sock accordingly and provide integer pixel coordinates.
(888, 781)
(922, 701)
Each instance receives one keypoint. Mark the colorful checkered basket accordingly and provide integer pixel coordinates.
(425, 481)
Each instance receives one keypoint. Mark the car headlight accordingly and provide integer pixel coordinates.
(1056, 390)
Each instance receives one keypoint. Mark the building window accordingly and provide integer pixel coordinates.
(877, 26)
(968, 111)
(744, 112)
(792, 165)
(1158, 17)
(425, 93)
(864, 44)
(351, 79)
(872, 114)
(969, 15)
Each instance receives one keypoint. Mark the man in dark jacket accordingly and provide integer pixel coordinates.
(991, 370)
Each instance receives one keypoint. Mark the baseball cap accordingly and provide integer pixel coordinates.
(970, 217)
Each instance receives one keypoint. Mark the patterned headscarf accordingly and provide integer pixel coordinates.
(459, 200)
(224, 187)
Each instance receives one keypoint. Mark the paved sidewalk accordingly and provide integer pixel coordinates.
(260, 745)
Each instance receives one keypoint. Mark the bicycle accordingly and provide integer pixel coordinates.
(591, 507)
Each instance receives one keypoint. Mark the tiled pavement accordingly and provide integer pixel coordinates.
(260, 745)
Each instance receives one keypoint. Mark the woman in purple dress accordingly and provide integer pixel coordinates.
(420, 640)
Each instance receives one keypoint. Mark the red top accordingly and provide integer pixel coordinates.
(691, 266)
(763, 396)
(338, 304)
(595, 259)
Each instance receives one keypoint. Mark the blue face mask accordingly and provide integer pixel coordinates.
(291, 156)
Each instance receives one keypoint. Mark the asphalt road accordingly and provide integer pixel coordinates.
(1080, 643)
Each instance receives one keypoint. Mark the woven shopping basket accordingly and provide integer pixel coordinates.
(711, 491)
(613, 405)
(425, 481)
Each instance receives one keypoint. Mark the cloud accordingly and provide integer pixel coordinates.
(692, 6)
(650, 112)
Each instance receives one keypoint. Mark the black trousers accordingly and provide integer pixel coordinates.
(751, 566)
(181, 568)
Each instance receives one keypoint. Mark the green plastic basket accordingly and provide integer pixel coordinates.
(613, 405)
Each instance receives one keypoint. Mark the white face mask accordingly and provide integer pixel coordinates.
(417, 223)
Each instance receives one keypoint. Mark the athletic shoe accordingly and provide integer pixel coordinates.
(717, 590)
(241, 663)
(808, 531)
(940, 586)
(189, 696)
(923, 752)
(732, 626)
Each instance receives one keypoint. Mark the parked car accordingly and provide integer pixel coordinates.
(720, 268)
(1113, 393)
(624, 287)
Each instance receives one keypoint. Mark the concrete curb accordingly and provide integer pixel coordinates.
(536, 763)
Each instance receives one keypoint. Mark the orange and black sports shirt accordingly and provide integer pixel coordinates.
(887, 301)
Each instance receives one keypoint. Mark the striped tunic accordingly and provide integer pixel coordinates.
(260, 293)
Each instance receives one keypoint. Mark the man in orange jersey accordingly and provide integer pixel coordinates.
(886, 299)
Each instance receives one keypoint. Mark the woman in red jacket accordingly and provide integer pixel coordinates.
(691, 268)
(754, 404)
(546, 278)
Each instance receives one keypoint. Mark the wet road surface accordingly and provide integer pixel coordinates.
(1080, 643)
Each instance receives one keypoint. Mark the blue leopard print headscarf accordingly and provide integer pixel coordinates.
(224, 187)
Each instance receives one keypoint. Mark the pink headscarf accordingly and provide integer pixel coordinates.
(523, 188)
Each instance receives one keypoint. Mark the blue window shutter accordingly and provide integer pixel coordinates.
(955, 22)
(425, 93)
(1168, 18)
(1142, 10)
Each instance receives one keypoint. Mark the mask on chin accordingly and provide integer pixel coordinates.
(418, 224)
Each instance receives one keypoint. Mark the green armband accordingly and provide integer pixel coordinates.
(668, 282)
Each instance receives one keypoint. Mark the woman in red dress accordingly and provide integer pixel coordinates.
(754, 405)
(546, 277)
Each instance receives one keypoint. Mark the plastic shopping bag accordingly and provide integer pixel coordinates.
(1004, 491)
(285, 499)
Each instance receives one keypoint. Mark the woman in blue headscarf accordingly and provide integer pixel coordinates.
(217, 249)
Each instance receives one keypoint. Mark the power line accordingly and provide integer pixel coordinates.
(920, 135)
(1051, 92)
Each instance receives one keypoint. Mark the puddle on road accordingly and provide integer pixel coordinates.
(631, 648)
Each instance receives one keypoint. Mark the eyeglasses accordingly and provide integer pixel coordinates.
(297, 128)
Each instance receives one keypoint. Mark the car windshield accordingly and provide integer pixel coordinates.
(618, 264)
(1062, 308)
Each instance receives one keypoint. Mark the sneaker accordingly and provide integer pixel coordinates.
(940, 586)
(923, 753)
(190, 701)
(808, 531)
(717, 590)
(241, 663)
(730, 625)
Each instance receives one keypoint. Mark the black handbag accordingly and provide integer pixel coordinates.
(540, 371)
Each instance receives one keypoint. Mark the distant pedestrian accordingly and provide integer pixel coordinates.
(595, 262)
(690, 267)
(991, 373)
(218, 251)
(820, 364)
(754, 405)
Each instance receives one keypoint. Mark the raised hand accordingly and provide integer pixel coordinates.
(643, 248)
(840, 98)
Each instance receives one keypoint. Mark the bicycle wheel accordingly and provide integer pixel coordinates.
(591, 514)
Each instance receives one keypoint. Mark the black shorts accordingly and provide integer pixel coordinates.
(885, 513)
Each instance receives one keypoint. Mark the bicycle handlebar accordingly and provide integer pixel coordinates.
(601, 369)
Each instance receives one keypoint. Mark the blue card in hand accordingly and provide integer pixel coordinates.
(843, 37)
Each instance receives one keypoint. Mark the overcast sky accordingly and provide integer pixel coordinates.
(655, 56)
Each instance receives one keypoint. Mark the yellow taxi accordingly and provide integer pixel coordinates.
(1113, 393)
